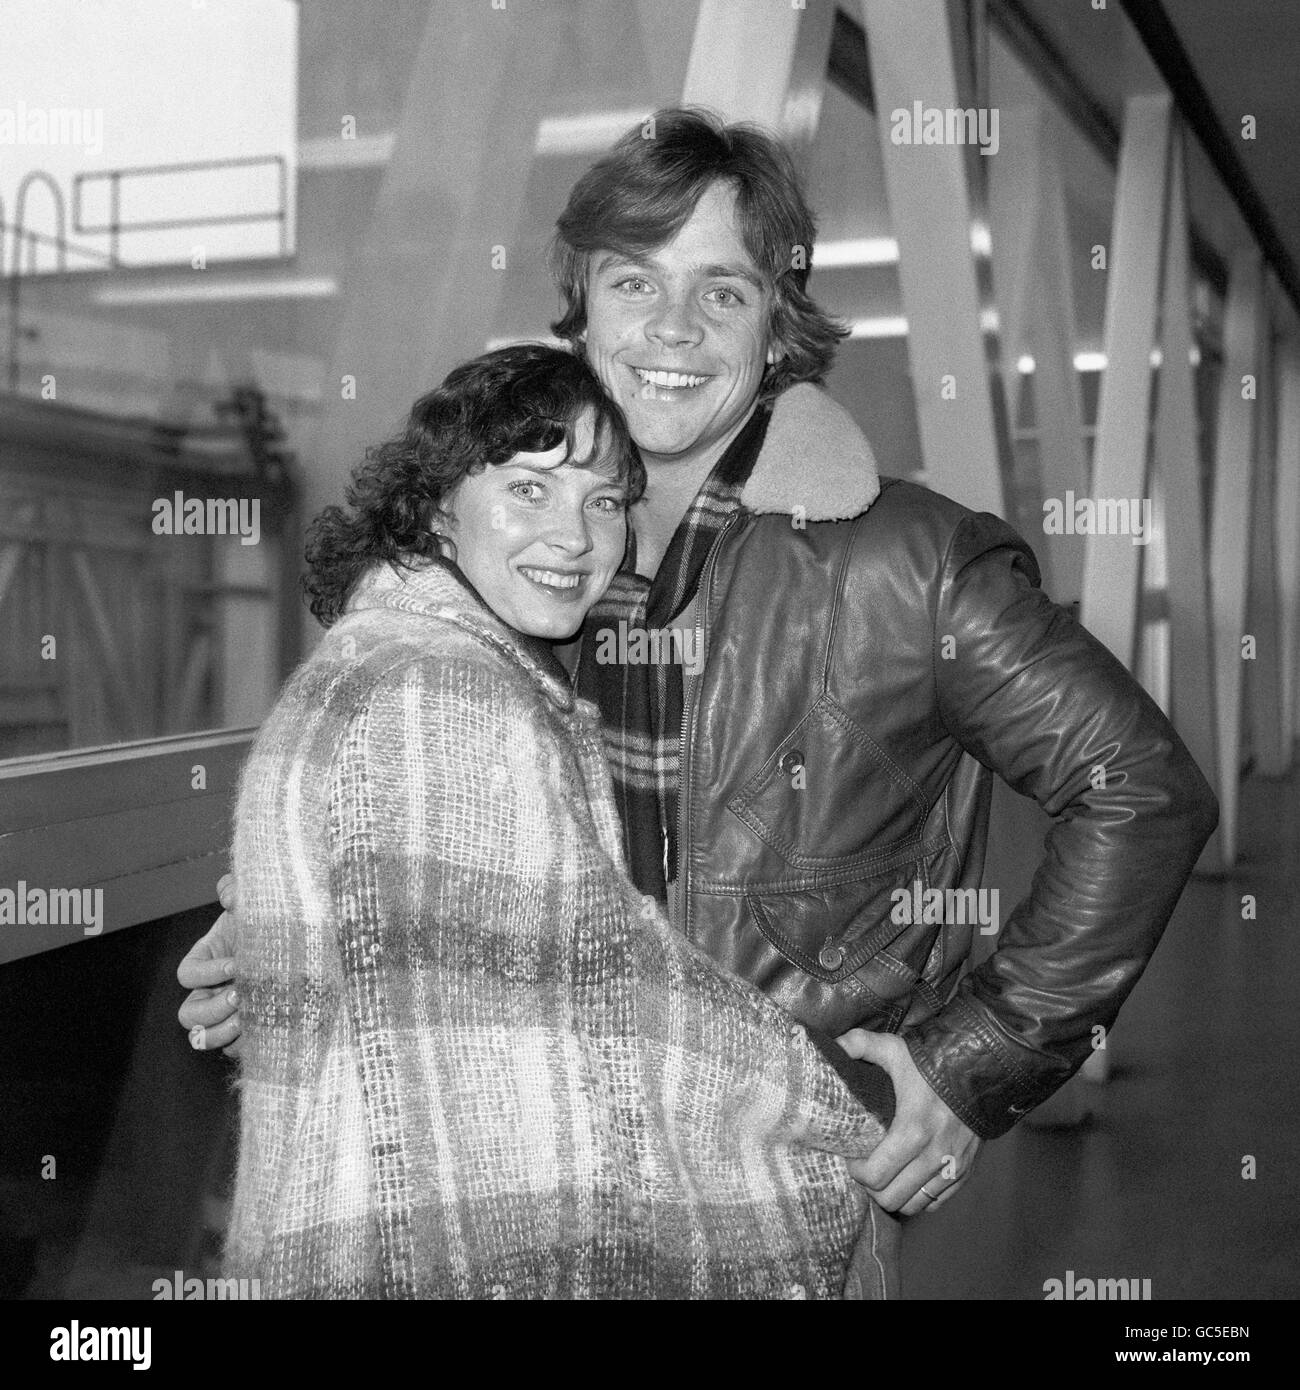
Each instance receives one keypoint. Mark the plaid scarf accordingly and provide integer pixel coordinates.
(642, 699)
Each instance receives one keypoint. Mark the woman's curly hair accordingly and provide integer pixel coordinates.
(523, 398)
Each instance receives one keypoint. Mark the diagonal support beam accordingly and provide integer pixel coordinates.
(1112, 566)
(772, 72)
(422, 287)
(934, 203)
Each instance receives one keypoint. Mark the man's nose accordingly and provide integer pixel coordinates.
(676, 322)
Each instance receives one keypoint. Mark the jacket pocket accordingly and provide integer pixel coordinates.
(850, 953)
(796, 803)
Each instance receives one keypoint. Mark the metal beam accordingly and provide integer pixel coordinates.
(1182, 506)
(772, 71)
(424, 280)
(1234, 466)
(1112, 565)
(1288, 533)
(934, 205)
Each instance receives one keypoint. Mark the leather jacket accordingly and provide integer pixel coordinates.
(862, 679)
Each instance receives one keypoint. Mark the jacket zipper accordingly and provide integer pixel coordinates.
(688, 727)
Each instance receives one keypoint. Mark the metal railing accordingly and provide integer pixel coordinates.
(114, 227)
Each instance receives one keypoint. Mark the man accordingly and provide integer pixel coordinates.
(807, 675)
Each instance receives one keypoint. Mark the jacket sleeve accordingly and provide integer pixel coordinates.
(1036, 698)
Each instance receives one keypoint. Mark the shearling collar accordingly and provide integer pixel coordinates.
(814, 458)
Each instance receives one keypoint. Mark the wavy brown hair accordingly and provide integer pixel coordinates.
(640, 195)
(523, 398)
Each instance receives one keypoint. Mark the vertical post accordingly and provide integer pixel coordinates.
(1264, 674)
(1178, 475)
(1234, 466)
(1288, 535)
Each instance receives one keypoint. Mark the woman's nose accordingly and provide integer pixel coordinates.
(569, 531)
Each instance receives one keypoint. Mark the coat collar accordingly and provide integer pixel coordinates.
(815, 463)
(435, 589)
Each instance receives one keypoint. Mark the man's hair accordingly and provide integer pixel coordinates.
(640, 195)
(526, 398)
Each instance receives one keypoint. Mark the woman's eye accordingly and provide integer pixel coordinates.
(726, 296)
(526, 490)
(613, 505)
(634, 283)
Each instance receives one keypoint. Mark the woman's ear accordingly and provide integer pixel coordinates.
(441, 525)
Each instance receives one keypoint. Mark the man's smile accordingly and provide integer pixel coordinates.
(670, 381)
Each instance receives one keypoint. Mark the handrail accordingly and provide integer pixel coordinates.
(115, 226)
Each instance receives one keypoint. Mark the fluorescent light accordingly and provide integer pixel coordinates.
(881, 250)
(1089, 361)
(334, 152)
(1025, 365)
(867, 250)
(878, 328)
(198, 288)
(590, 133)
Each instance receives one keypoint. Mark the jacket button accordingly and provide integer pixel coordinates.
(831, 957)
(791, 761)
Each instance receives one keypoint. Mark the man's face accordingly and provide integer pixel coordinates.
(540, 539)
(679, 336)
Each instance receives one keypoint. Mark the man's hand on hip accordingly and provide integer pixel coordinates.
(928, 1152)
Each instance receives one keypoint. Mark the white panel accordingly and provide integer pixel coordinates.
(1234, 455)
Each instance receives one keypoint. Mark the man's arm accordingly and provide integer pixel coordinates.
(210, 1013)
(1036, 698)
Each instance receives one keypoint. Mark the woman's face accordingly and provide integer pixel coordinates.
(540, 539)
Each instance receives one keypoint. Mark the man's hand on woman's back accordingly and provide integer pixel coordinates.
(210, 1012)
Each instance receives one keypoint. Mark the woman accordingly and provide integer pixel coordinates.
(476, 1063)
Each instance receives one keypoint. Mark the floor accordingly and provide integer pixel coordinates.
(1157, 1182)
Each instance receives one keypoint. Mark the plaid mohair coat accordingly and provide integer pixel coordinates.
(476, 1062)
